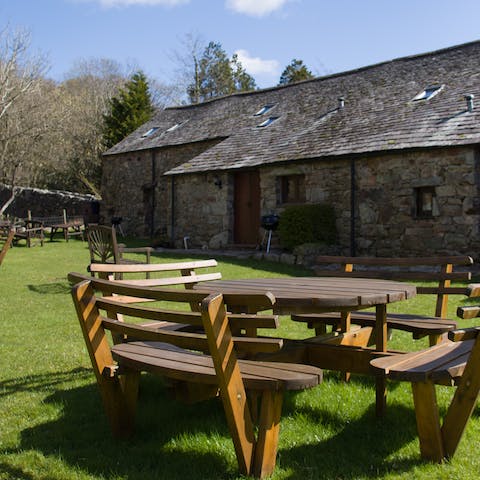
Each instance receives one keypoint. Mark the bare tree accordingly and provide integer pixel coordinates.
(20, 76)
(187, 61)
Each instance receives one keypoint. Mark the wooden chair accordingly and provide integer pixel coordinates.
(207, 361)
(6, 236)
(454, 363)
(104, 248)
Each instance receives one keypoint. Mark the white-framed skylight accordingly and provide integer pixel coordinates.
(267, 122)
(428, 93)
(264, 109)
(150, 132)
(173, 127)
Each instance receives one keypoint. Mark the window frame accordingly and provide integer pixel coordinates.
(285, 195)
(421, 202)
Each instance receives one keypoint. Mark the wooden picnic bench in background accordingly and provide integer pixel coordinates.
(69, 227)
(32, 231)
(208, 360)
(454, 363)
(436, 270)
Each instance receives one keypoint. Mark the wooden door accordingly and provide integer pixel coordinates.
(246, 208)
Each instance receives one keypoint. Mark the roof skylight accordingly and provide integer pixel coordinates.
(267, 122)
(264, 109)
(173, 127)
(428, 93)
(150, 132)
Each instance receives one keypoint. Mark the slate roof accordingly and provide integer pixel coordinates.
(379, 115)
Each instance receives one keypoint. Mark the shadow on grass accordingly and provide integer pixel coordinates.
(178, 441)
(39, 382)
(50, 288)
(364, 448)
(81, 437)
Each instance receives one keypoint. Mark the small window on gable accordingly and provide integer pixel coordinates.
(267, 122)
(428, 93)
(150, 132)
(291, 189)
(425, 202)
(264, 109)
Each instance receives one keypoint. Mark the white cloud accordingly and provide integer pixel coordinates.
(127, 3)
(255, 65)
(256, 8)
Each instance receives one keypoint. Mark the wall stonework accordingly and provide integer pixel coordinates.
(135, 189)
(385, 220)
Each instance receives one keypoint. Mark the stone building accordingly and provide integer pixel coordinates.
(394, 147)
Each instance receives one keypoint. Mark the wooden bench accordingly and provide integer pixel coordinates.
(176, 273)
(206, 361)
(426, 269)
(6, 237)
(453, 363)
(71, 227)
(32, 231)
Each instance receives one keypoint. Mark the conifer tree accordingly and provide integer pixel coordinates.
(295, 71)
(216, 74)
(130, 109)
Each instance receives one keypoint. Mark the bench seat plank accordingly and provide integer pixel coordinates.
(443, 363)
(180, 364)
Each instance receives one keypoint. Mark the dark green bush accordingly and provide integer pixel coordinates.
(301, 224)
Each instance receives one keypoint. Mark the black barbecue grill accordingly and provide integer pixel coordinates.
(269, 223)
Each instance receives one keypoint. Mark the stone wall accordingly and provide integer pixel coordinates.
(200, 212)
(385, 218)
(49, 203)
(203, 211)
(135, 189)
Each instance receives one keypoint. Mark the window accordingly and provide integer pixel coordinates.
(173, 127)
(267, 122)
(291, 189)
(426, 202)
(150, 132)
(264, 109)
(428, 93)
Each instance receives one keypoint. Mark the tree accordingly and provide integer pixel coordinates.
(295, 72)
(216, 74)
(21, 75)
(128, 110)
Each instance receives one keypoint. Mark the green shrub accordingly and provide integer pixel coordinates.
(301, 224)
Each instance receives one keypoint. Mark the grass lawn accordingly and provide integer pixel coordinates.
(52, 424)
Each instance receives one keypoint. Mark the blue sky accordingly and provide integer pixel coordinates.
(328, 35)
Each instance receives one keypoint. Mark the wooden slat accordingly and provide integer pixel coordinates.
(397, 261)
(257, 301)
(396, 275)
(182, 280)
(437, 363)
(152, 267)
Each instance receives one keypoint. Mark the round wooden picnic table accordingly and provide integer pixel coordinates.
(329, 294)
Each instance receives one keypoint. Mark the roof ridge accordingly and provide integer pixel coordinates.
(324, 77)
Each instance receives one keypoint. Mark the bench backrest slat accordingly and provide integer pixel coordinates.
(94, 303)
(437, 270)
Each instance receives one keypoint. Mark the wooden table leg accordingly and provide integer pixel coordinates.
(381, 346)
(345, 324)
